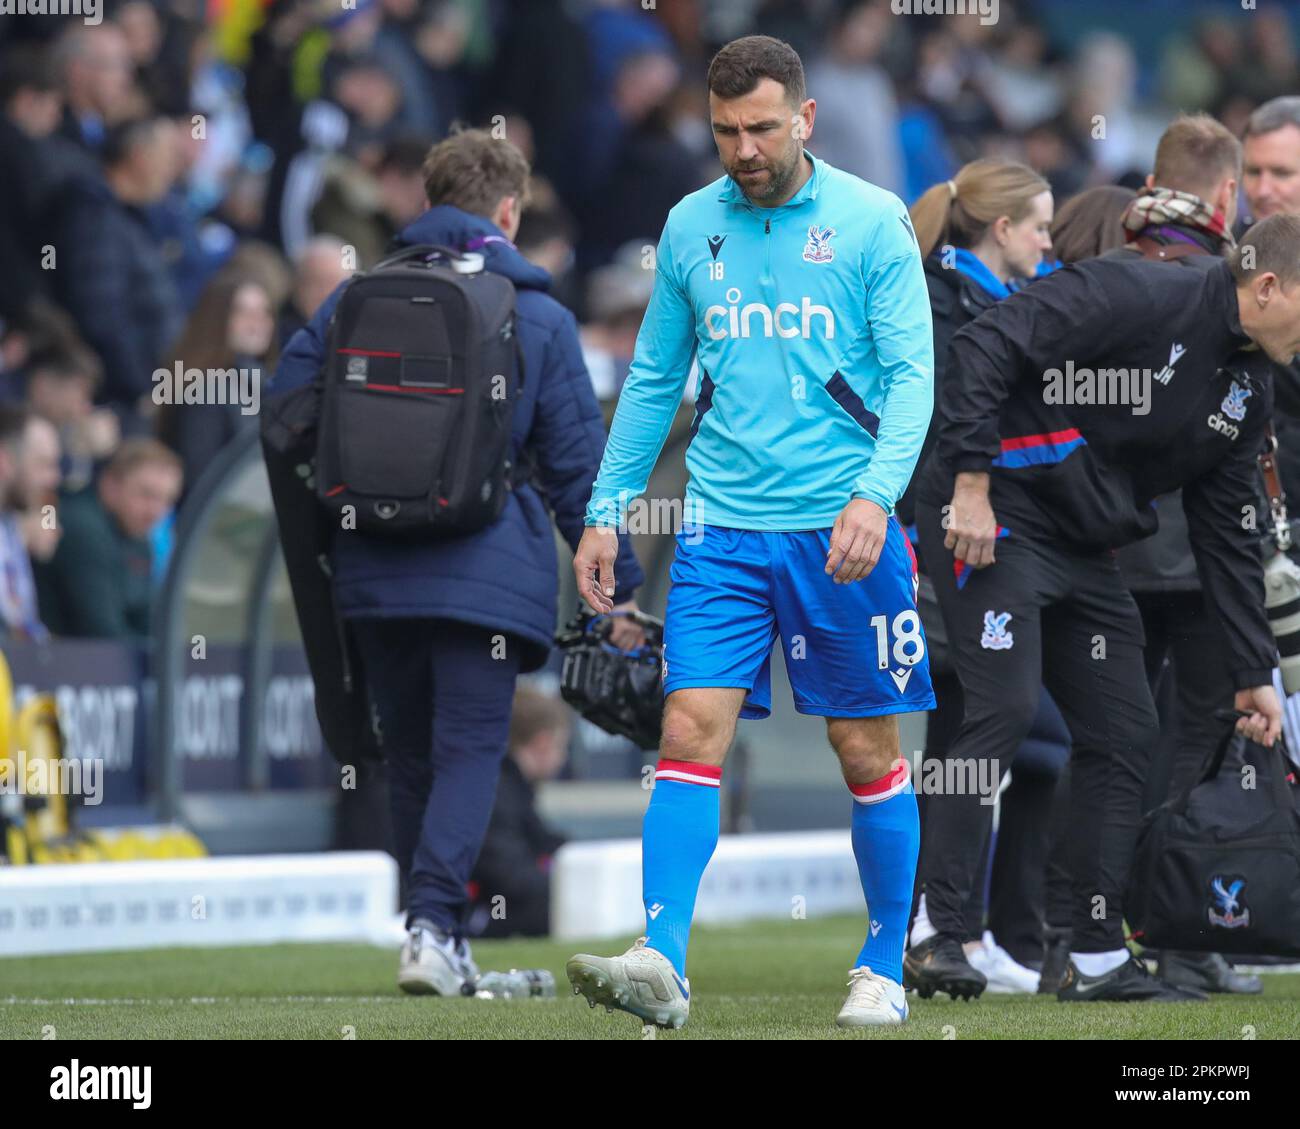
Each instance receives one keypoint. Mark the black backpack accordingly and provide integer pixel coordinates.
(1218, 867)
(422, 371)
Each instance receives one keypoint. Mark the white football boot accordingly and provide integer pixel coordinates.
(430, 963)
(642, 982)
(1006, 975)
(874, 1001)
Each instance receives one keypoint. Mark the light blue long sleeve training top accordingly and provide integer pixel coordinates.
(811, 323)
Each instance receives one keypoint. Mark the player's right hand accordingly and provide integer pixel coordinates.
(972, 527)
(593, 566)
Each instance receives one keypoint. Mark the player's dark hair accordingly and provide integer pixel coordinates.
(743, 63)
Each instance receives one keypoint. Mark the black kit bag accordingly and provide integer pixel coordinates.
(1218, 867)
(421, 375)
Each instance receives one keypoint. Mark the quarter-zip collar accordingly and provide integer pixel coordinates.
(732, 193)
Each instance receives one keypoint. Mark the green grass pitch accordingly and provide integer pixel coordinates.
(783, 980)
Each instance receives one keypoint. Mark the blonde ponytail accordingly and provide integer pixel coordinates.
(961, 210)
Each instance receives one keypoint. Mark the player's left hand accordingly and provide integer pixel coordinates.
(1265, 721)
(624, 632)
(856, 541)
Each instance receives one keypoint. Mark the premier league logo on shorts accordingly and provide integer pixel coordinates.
(1234, 403)
(1230, 912)
(818, 248)
(995, 636)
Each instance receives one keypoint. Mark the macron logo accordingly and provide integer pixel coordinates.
(900, 677)
(1166, 374)
(654, 910)
(876, 926)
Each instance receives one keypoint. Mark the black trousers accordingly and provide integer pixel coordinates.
(1043, 616)
(444, 693)
(1189, 680)
(1016, 888)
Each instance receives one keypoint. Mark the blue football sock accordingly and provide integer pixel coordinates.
(886, 841)
(677, 841)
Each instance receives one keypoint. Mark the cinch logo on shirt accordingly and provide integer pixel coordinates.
(787, 320)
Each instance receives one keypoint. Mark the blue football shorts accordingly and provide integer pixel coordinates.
(851, 650)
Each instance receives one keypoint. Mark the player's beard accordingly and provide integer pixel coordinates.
(778, 182)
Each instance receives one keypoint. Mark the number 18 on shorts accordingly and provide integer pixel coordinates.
(851, 650)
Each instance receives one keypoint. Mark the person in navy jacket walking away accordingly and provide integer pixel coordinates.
(444, 627)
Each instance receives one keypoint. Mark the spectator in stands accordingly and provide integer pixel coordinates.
(232, 327)
(99, 584)
(547, 238)
(1271, 165)
(366, 209)
(1089, 224)
(96, 72)
(401, 183)
(111, 273)
(617, 297)
(29, 477)
(60, 387)
(857, 118)
(319, 268)
(512, 880)
(1271, 183)
(36, 326)
(641, 164)
(30, 110)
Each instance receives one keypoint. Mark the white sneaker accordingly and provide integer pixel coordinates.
(874, 1001)
(465, 961)
(430, 964)
(1005, 974)
(642, 982)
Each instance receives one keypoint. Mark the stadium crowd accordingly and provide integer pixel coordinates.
(185, 185)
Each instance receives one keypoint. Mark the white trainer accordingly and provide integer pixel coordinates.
(1006, 975)
(642, 982)
(430, 964)
(874, 1001)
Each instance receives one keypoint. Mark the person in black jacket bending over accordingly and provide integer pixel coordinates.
(1068, 408)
